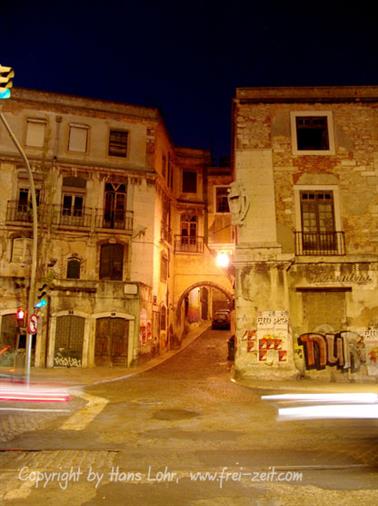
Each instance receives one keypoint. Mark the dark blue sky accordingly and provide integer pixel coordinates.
(187, 58)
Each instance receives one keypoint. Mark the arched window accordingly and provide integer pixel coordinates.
(73, 268)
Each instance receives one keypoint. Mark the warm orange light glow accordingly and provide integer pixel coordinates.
(223, 259)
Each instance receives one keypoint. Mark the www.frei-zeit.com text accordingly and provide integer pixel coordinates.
(65, 478)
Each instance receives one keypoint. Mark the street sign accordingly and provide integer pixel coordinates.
(33, 323)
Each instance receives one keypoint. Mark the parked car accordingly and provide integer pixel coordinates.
(221, 320)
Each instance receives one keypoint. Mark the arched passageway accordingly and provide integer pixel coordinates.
(199, 301)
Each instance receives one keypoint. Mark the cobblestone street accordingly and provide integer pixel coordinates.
(183, 434)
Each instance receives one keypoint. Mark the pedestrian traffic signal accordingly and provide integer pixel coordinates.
(6, 81)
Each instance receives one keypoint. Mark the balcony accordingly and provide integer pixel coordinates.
(188, 244)
(17, 212)
(120, 220)
(71, 217)
(319, 243)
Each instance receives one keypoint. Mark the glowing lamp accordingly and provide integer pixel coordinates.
(222, 259)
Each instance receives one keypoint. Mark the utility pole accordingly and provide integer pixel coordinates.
(6, 75)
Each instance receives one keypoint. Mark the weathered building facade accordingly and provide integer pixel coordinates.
(115, 206)
(305, 202)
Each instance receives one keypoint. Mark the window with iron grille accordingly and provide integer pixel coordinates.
(118, 140)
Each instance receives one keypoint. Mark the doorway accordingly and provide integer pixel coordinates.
(111, 341)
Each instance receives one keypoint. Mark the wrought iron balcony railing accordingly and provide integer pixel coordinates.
(17, 212)
(115, 220)
(188, 244)
(319, 243)
(71, 217)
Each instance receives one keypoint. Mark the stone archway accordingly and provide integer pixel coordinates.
(208, 284)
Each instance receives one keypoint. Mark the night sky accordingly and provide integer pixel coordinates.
(187, 58)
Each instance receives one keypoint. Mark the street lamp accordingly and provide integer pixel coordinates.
(33, 271)
(223, 259)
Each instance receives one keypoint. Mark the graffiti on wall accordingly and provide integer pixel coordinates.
(346, 350)
(63, 358)
(371, 343)
(145, 327)
(269, 342)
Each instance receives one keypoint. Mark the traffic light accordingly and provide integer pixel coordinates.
(42, 296)
(20, 315)
(6, 81)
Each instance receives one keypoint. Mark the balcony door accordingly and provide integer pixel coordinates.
(188, 230)
(318, 221)
(114, 205)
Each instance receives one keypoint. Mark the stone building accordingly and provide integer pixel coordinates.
(116, 206)
(203, 225)
(305, 202)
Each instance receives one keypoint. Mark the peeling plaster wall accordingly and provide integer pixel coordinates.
(272, 173)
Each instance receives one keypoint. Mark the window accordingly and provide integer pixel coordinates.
(317, 211)
(72, 205)
(118, 143)
(188, 228)
(189, 181)
(221, 200)
(163, 318)
(78, 138)
(115, 205)
(24, 202)
(163, 267)
(21, 250)
(35, 132)
(318, 222)
(73, 197)
(312, 133)
(73, 268)
(111, 261)
(166, 221)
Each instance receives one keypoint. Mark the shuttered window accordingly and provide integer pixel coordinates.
(35, 133)
(78, 138)
(118, 143)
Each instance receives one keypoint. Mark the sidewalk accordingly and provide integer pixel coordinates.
(81, 377)
(305, 385)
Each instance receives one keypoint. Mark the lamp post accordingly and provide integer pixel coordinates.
(33, 271)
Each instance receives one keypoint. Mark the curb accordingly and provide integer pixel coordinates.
(57, 375)
(300, 387)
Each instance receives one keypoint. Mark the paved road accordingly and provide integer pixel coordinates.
(182, 434)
